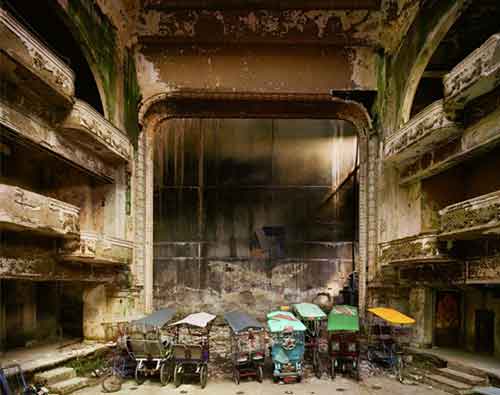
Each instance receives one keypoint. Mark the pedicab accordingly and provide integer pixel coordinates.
(316, 345)
(389, 333)
(151, 351)
(287, 349)
(247, 346)
(191, 347)
(343, 329)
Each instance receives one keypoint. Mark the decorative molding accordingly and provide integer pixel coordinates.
(35, 56)
(423, 132)
(22, 210)
(36, 131)
(442, 274)
(483, 270)
(477, 74)
(471, 218)
(99, 249)
(415, 249)
(97, 133)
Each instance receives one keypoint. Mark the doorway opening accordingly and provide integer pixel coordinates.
(447, 323)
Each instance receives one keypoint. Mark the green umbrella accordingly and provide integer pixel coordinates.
(343, 318)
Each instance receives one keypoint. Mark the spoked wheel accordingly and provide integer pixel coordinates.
(139, 377)
(177, 376)
(165, 373)
(236, 376)
(204, 376)
(332, 369)
(355, 369)
(112, 383)
(317, 365)
(260, 374)
(399, 367)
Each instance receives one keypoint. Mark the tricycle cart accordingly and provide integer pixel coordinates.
(191, 347)
(287, 350)
(343, 328)
(247, 346)
(149, 348)
(388, 333)
(314, 319)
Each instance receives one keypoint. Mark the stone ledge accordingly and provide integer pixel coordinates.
(414, 249)
(473, 218)
(98, 249)
(22, 46)
(39, 133)
(477, 74)
(22, 210)
(424, 131)
(86, 126)
(483, 270)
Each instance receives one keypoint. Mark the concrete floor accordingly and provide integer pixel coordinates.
(313, 386)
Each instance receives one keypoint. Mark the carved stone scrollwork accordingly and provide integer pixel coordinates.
(478, 215)
(477, 74)
(420, 248)
(424, 131)
(485, 269)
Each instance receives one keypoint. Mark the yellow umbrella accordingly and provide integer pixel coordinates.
(391, 315)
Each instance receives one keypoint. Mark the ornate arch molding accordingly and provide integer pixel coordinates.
(217, 104)
(221, 104)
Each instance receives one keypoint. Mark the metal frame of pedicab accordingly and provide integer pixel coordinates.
(146, 346)
(247, 345)
(344, 347)
(386, 345)
(192, 359)
(288, 340)
(314, 319)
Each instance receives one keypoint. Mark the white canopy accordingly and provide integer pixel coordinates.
(200, 320)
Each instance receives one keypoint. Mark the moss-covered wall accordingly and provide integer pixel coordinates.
(132, 96)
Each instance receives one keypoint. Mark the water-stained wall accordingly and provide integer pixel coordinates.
(244, 214)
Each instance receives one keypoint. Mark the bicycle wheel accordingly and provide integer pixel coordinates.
(139, 377)
(112, 383)
(399, 367)
(165, 373)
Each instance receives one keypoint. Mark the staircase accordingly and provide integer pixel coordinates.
(455, 379)
(61, 381)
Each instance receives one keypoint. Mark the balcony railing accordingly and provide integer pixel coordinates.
(414, 249)
(471, 218)
(422, 133)
(22, 210)
(86, 126)
(98, 249)
(27, 50)
(477, 74)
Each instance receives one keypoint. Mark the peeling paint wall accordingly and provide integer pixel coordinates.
(242, 216)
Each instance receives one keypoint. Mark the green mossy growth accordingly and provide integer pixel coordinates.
(132, 97)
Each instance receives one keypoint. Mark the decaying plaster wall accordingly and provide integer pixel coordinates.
(220, 185)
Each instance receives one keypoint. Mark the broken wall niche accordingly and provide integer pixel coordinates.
(244, 215)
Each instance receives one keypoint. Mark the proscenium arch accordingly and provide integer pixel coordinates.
(216, 104)
(426, 42)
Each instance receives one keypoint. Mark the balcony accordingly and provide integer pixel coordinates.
(87, 127)
(423, 248)
(22, 210)
(40, 67)
(473, 218)
(98, 249)
(33, 129)
(425, 131)
(476, 75)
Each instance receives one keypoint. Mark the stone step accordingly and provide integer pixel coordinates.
(446, 384)
(68, 386)
(467, 369)
(55, 375)
(463, 377)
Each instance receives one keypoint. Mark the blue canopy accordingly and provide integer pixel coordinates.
(157, 319)
(240, 322)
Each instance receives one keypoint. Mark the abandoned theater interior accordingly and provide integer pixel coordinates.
(218, 155)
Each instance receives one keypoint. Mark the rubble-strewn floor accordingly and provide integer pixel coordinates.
(313, 386)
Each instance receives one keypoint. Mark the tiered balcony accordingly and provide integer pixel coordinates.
(98, 249)
(38, 132)
(476, 75)
(86, 126)
(422, 133)
(423, 248)
(473, 218)
(39, 65)
(22, 210)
